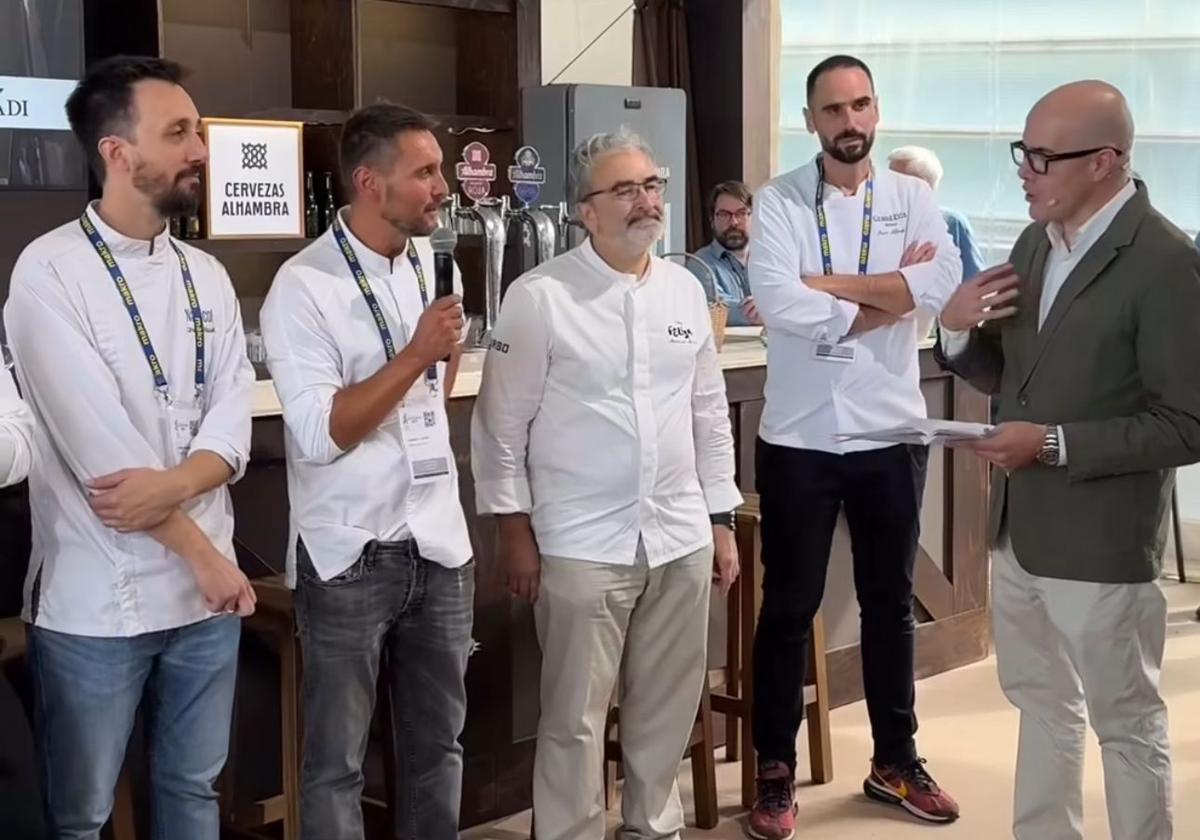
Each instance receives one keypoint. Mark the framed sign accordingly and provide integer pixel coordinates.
(254, 186)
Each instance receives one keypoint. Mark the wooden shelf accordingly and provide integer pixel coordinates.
(455, 123)
(224, 247)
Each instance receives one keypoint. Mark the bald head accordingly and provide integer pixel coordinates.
(1083, 115)
(1077, 144)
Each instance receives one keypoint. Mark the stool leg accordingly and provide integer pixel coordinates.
(1180, 560)
(289, 720)
(733, 666)
(820, 743)
(748, 549)
(704, 768)
(123, 825)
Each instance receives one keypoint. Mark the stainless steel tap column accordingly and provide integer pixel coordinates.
(487, 218)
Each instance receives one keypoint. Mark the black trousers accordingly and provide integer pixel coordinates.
(20, 796)
(801, 492)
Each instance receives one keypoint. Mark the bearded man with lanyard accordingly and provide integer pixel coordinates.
(848, 264)
(379, 552)
(130, 352)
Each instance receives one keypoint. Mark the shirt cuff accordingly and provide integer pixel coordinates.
(954, 342)
(723, 496)
(222, 450)
(844, 312)
(505, 495)
(1062, 447)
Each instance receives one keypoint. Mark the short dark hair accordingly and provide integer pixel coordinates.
(102, 102)
(836, 62)
(367, 136)
(733, 189)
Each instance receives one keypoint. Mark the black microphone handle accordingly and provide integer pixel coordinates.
(443, 277)
(443, 273)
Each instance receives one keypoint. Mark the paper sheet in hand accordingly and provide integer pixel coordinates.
(924, 432)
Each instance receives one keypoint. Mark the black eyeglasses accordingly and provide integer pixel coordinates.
(628, 190)
(727, 216)
(1040, 161)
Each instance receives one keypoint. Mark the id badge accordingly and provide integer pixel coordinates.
(425, 440)
(181, 422)
(842, 353)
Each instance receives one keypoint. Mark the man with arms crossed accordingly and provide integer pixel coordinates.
(848, 263)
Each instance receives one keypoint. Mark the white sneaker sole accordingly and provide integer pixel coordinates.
(750, 832)
(881, 793)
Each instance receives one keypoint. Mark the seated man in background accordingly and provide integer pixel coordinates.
(729, 251)
(924, 164)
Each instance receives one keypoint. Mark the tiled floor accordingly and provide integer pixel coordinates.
(968, 733)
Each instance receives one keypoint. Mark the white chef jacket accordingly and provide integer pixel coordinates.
(321, 337)
(16, 433)
(810, 400)
(89, 386)
(603, 414)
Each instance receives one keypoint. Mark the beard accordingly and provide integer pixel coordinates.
(170, 196)
(644, 231)
(406, 222)
(732, 239)
(836, 152)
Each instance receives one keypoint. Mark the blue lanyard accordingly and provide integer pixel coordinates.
(139, 325)
(864, 250)
(364, 286)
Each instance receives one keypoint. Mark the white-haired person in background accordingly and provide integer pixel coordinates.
(924, 164)
(601, 442)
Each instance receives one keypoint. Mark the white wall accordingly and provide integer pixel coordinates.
(569, 25)
(1188, 482)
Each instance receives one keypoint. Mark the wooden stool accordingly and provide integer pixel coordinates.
(736, 702)
(699, 749)
(275, 620)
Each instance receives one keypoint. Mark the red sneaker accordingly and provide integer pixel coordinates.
(774, 814)
(913, 789)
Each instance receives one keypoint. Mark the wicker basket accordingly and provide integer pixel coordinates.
(719, 313)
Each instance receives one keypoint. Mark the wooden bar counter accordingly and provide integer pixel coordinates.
(502, 680)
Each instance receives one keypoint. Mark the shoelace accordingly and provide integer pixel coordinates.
(775, 795)
(916, 774)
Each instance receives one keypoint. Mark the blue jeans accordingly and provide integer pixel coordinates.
(87, 691)
(390, 602)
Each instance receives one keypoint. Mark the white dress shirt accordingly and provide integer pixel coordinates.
(602, 412)
(16, 433)
(809, 400)
(1060, 262)
(86, 379)
(320, 338)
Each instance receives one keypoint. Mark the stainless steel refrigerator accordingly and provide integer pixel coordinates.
(555, 118)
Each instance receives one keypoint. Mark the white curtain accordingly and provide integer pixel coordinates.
(960, 77)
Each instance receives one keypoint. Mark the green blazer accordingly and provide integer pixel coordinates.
(1117, 365)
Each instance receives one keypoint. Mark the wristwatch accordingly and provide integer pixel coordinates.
(1048, 454)
(724, 518)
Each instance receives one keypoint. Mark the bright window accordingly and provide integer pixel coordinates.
(959, 78)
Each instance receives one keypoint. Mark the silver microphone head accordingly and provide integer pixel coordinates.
(444, 240)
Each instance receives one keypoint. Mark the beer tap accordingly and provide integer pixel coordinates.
(485, 217)
(536, 227)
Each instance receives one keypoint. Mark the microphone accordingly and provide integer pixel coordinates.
(443, 240)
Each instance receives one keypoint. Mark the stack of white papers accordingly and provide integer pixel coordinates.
(924, 433)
